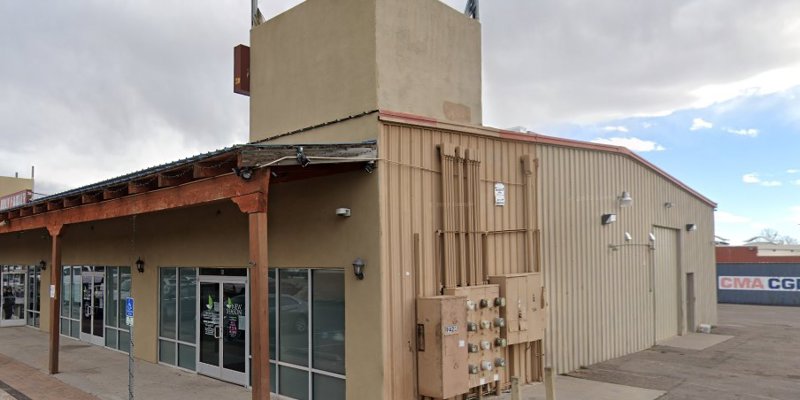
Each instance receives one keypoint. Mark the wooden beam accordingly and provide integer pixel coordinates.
(24, 212)
(55, 305)
(259, 291)
(72, 201)
(194, 193)
(175, 177)
(207, 169)
(88, 198)
(55, 205)
(144, 185)
(39, 208)
(115, 192)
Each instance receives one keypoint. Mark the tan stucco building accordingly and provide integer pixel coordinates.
(252, 272)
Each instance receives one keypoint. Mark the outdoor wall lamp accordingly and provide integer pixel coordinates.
(669, 204)
(691, 227)
(628, 237)
(606, 219)
(358, 268)
(140, 265)
(43, 265)
(245, 173)
(625, 200)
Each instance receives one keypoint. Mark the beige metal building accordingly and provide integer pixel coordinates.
(383, 100)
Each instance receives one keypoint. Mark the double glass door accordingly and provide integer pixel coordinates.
(93, 289)
(223, 330)
(13, 302)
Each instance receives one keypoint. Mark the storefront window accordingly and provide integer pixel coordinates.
(34, 297)
(70, 301)
(307, 307)
(177, 317)
(118, 288)
(13, 289)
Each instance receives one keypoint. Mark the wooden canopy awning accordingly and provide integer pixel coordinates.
(218, 175)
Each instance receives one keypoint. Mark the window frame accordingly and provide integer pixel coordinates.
(176, 341)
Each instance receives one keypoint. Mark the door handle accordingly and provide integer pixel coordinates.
(217, 332)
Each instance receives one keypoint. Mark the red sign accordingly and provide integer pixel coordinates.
(16, 199)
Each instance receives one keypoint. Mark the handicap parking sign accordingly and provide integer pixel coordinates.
(129, 311)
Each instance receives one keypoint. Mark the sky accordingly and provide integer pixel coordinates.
(708, 90)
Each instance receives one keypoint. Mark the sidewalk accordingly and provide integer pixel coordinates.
(22, 382)
(93, 372)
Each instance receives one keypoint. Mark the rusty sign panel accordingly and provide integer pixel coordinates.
(15, 199)
(241, 70)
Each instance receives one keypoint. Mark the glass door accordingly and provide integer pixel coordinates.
(14, 294)
(223, 333)
(93, 290)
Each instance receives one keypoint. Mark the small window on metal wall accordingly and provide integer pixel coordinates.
(118, 288)
(306, 333)
(177, 341)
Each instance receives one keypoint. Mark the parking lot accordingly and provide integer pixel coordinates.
(761, 360)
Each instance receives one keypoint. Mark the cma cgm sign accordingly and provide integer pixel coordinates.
(779, 283)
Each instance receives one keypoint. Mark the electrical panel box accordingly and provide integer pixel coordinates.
(524, 311)
(441, 346)
(485, 346)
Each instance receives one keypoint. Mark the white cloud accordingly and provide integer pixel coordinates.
(699, 123)
(768, 82)
(743, 132)
(751, 178)
(646, 125)
(726, 217)
(615, 129)
(792, 171)
(632, 143)
(796, 182)
(771, 183)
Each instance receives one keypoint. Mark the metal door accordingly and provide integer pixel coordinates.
(93, 295)
(14, 295)
(690, 300)
(223, 329)
(666, 279)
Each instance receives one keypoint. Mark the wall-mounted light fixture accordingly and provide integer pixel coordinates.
(301, 157)
(651, 236)
(628, 237)
(140, 265)
(358, 268)
(625, 200)
(669, 204)
(43, 265)
(691, 227)
(606, 219)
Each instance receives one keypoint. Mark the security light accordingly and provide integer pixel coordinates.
(628, 237)
(625, 200)
(691, 227)
(651, 236)
(358, 268)
(301, 158)
(140, 265)
(43, 265)
(606, 219)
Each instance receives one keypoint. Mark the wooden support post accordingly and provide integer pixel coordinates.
(255, 204)
(55, 306)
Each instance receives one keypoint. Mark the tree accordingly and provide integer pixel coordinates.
(772, 236)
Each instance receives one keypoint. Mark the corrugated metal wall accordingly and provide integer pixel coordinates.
(666, 282)
(601, 301)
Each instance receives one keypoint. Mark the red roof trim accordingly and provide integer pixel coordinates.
(549, 140)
